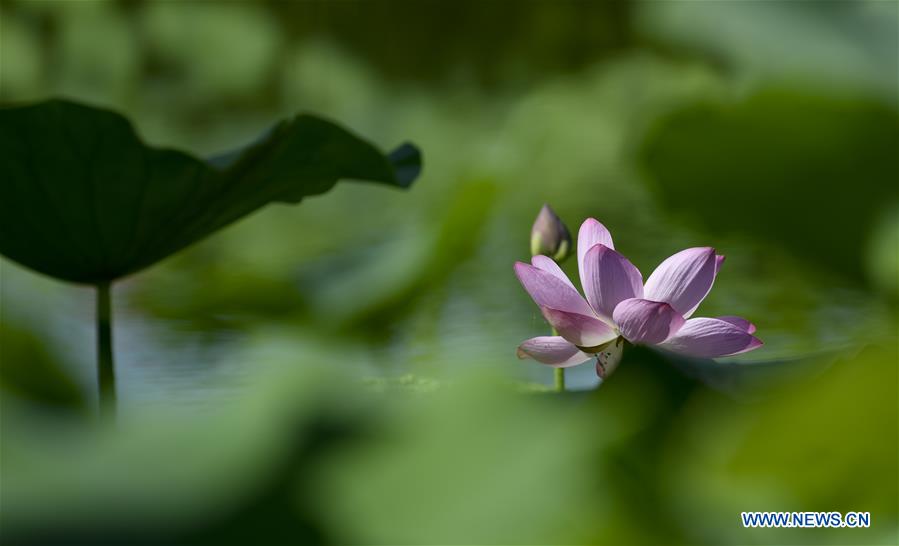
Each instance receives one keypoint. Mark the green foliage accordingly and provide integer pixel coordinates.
(84, 200)
(307, 450)
(527, 461)
(32, 372)
(826, 441)
(807, 172)
(837, 46)
(330, 376)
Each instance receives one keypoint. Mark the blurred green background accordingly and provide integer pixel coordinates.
(344, 371)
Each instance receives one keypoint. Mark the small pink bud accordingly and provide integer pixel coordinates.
(549, 236)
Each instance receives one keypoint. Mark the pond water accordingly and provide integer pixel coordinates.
(198, 366)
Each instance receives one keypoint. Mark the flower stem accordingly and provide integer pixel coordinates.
(105, 367)
(558, 373)
(560, 379)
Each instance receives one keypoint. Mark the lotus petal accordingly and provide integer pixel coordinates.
(683, 280)
(647, 322)
(548, 290)
(582, 330)
(552, 350)
(740, 323)
(591, 233)
(550, 266)
(710, 338)
(609, 279)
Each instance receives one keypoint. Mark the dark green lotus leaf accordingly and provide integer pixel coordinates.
(84, 200)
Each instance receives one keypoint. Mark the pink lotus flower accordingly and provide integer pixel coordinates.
(619, 306)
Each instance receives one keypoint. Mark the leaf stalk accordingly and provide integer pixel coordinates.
(105, 365)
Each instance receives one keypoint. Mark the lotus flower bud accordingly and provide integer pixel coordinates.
(549, 236)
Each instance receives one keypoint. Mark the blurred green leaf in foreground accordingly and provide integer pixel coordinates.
(310, 453)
